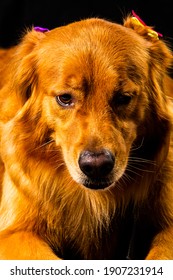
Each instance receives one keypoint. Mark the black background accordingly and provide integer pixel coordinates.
(16, 15)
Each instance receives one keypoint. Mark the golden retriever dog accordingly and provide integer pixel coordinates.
(86, 144)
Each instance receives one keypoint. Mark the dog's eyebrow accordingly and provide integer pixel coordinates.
(77, 84)
(134, 73)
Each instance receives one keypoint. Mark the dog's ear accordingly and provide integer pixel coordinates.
(159, 51)
(160, 58)
(24, 64)
(158, 122)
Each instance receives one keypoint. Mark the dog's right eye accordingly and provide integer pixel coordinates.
(65, 100)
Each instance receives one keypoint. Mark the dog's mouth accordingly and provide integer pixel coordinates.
(98, 184)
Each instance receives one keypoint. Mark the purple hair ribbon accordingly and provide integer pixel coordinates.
(40, 29)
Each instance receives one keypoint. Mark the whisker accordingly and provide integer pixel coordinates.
(59, 165)
(142, 169)
(137, 148)
(119, 186)
(141, 164)
(44, 144)
(132, 171)
(128, 178)
(125, 179)
(141, 160)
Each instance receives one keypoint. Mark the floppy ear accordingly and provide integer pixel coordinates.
(160, 59)
(158, 121)
(24, 66)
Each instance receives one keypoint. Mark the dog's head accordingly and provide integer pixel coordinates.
(93, 98)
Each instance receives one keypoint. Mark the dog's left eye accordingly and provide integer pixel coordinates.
(123, 98)
(65, 100)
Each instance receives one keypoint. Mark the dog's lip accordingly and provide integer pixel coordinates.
(98, 185)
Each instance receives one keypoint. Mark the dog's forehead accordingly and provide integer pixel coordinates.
(95, 31)
(83, 50)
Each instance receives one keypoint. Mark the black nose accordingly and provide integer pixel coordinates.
(96, 164)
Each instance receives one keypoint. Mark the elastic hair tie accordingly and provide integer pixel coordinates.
(41, 29)
(138, 21)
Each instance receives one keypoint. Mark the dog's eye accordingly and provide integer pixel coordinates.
(65, 100)
(123, 98)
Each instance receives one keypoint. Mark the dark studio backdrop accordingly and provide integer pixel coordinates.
(16, 15)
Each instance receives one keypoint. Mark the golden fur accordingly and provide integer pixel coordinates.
(90, 86)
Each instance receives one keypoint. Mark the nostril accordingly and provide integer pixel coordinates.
(96, 164)
(87, 168)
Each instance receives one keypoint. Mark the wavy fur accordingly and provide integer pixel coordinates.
(45, 203)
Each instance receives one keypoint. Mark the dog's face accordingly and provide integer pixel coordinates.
(94, 98)
(90, 83)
